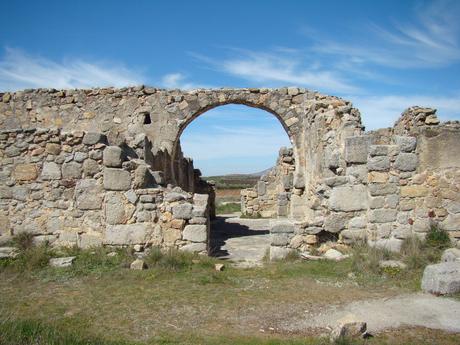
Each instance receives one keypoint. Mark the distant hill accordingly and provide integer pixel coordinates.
(236, 181)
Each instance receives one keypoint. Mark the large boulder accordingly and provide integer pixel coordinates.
(441, 279)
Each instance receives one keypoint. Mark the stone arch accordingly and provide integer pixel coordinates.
(194, 115)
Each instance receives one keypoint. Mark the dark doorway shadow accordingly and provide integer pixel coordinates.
(221, 231)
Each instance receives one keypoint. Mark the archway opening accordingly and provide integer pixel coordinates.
(237, 149)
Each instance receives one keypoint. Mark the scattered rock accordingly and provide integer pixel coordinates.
(112, 254)
(333, 254)
(441, 279)
(349, 328)
(138, 264)
(62, 262)
(219, 267)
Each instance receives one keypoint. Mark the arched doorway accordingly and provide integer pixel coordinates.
(235, 145)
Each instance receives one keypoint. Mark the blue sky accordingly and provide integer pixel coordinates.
(382, 55)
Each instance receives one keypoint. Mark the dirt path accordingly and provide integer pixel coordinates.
(243, 241)
(419, 309)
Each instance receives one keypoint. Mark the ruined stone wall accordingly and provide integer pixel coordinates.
(389, 189)
(73, 188)
(270, 197)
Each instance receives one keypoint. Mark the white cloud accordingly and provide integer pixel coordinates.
(179, 81)
(383, 111)
(432, 40)
(19, 71)
(279, 68)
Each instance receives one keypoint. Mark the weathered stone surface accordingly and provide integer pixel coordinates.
(51, 171)
(112, 157)
(25, 172)
(173, 196)
(335, 222)
(452, 222)
(116, 179)
(117, 210)
(356, 148)
(90, 167)
(377, 189)
(280, 239)
(281, 227)
(382, 215)
(377, 177)
(351, 329)
(407, 144)
(414, 191)
(333, 254)
(357, 222)
(71, 170)
(53, 149)
(349, 236)
(8, 252)
(194, 247)
(451, 254)
(406, 162)
(138, 264)
(391, 244)
(348, 198)
(138, 233)
(92, 138)
(379, 163)
(261, 188)
(195, 233)
(62, 262)
(441, 279)
(88, 194)
(279, 253)
(182, 211)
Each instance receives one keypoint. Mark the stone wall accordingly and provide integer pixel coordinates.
(75, 189)
(270, 197)
(388, 189)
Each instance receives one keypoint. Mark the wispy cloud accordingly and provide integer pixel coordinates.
(383, 111)
(431, 40)
(179, 81)
(279, 67)
(19, 70)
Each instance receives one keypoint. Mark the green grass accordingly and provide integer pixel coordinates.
(230, 207)
(237, 181)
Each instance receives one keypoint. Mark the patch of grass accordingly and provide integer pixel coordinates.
(437, 237)
(173, 260)
(34, 258)
(230, 207)
(23, 241)
(251, 216)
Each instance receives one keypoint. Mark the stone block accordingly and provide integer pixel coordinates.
(143, 178)
(92, 138)
(382, 215)
(406, 162)
(353, 235)
(377, 189)
(378, 163)
(87, 241)
(279, 253)
(357, 222)
(62, 262)
(127, 234)
(182, 211)
(116, 179)
(414, 191)
(376, 202)
(335, 222)
(194, 247)
(378, 177)
(53, 149)
(359, 172)
(195, 233)
(280, 239)
(442, 278)
(391, 244)
(71, 170)
(281, 227)
(348, 198)
(407, 144)
(25, 172)
(356, 148)
(452, 222)
(112, 157)
(174, 196)
(90, 167)
(117, 210)
(88, 194)
(50, 171)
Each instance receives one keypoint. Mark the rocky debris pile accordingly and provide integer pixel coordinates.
(414, 117)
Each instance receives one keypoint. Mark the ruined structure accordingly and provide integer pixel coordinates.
(104, 166)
